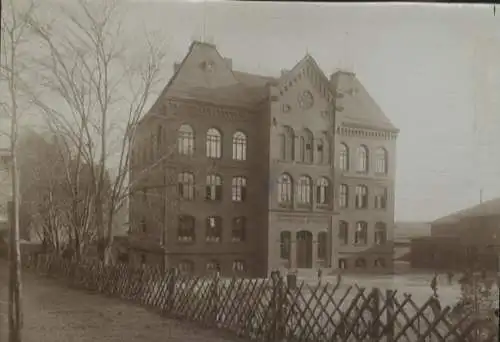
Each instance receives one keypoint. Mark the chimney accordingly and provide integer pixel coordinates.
(176, 66)
(229, 63)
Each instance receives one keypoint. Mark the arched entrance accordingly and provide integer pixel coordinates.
(304, 249)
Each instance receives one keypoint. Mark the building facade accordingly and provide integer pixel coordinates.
(245, 173)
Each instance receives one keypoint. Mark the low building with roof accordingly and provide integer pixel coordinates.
(466, 238)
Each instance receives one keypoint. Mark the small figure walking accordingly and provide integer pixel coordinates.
(320, 275)
(450, 277)
(434, 284)
(339, 277)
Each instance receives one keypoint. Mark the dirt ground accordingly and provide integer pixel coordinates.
(56, 314)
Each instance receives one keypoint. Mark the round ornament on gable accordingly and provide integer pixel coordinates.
(305, 99)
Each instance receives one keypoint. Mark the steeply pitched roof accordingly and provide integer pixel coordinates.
(358, 108)
(488, 208)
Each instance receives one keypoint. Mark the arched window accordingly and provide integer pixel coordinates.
(322, 245)
(239, 146)
(360, 263)
(239, 229)
(186, 185)
(214, 229)
(361, 197)
(285, 244)
(186, 231)
(344, 196)
(344, 157)
(287, 144)
(306, 147)
(285, 185)
(381, 161)
(214, 143)
(363, 160)
(343, 232)
(323, 191)
(361, 234)
(304, 190)
(214, 188)
(185, 140)
(239, 189)
(380, 233)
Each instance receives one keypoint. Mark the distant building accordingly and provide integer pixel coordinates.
(249, 173)
(470, 237)
(404, 233)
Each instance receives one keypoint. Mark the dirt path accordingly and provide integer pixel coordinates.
(56, 314)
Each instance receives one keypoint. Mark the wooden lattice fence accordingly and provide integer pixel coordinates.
(270, 310)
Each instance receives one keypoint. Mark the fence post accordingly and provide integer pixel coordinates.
(389, 329)
(375, 313)
(281, 318)
(215, 298)
(171, 282)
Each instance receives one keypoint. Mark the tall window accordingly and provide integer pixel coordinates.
(361, 197)
(287, 142)
(186, 228)
(363, 159)
(186, 185)
(186, 267)
(238, 231)
(214, 143)
(239, 189)
(323, 191)
(343, 232)
(380, 233)
(343, 196)
(214, 188)
(381, 161)
(285, 186)
(380, 198)
(285, 244)
(361, 234)
(322, 245)
(306, 147)
(213, 266)
(159, 138)
(304, 190)
(185, 140)
(214, 229)
(239, 266)
(320, 148)
(239, 146)
(344, 157)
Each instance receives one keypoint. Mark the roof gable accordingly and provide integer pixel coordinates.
(356, 107)
(310, 69)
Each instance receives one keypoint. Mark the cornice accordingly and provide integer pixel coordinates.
(366, 132)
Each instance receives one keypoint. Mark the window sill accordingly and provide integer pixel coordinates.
(304, 206)
(287, 205)
(324, 206)
(381, 174)
(213, 241)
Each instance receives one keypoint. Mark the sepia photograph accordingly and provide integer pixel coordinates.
(236, 171)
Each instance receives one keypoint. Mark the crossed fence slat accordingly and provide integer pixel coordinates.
(270, 310)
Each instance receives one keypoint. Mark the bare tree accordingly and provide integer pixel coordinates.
(98, 93)
(12, 68)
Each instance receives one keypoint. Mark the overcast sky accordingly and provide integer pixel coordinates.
(434, 70)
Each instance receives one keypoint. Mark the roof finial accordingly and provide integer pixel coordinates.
(204, 26)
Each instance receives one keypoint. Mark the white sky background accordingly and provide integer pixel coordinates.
(433, 69)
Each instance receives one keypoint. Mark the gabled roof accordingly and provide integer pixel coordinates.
(357, 107)
(488, 208)
(321, 79)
